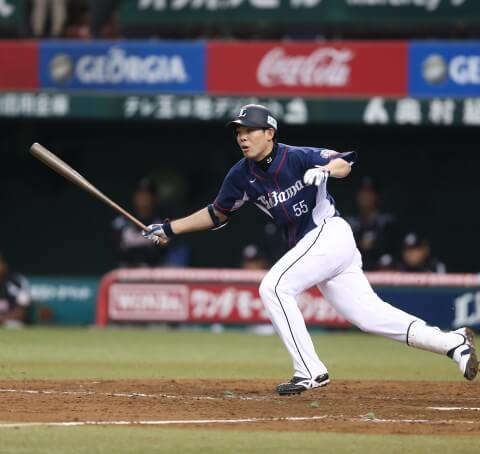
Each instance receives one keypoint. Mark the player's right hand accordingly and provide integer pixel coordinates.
(156, 233)
(316, 176)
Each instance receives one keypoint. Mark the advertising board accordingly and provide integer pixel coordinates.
(444, 69)
(119, 66)
(336, 68)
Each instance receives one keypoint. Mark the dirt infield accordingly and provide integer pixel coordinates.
(343, 406)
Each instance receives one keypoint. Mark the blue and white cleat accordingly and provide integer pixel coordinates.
(298, 385)
(465, 355)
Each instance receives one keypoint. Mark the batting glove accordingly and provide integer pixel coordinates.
(316, 176)
(156, 233)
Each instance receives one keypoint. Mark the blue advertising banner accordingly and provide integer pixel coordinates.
(447, 308)
(444, 68)
(120, 66)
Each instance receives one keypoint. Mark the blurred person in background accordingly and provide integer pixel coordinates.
(14, 296)
(387, 263)
(131, 249)
(417, 256)
(253, 258)
(48, 12)
(102, 24)
(373, 230)
(78, 23)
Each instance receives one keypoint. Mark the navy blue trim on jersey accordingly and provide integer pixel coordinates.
(280, 301)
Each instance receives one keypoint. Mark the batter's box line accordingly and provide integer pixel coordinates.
(224, 421)
(172, 396)
(163, 422)
(454, 408)
(129, 395)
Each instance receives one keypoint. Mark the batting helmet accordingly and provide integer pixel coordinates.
(254, 116)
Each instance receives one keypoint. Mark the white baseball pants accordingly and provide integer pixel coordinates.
(328, 258)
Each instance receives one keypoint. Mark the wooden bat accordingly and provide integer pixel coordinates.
(62, 168)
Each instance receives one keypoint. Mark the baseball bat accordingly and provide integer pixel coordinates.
(62, 168)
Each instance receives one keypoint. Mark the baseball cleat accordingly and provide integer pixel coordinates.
(465, 355)
(298, 385)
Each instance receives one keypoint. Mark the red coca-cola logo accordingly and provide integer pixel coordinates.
(324, 67)
(335, 68)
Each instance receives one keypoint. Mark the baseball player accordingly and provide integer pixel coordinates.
(14, 296)
(289, 184)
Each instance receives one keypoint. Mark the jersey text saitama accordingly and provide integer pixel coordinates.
(280, 191)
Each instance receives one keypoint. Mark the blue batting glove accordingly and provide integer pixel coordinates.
(156, 233)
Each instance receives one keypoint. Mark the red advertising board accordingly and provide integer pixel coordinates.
(229, 296)
(333, 68)
(19, 68)
(206, 303)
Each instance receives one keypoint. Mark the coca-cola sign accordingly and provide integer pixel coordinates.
(326, 66)
(334, 68)
(206, 303)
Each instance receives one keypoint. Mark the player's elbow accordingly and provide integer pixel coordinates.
(348, 169)
(343, 170)
(222, 217)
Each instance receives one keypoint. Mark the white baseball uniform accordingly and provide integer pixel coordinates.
(290, 186)
(323, 253)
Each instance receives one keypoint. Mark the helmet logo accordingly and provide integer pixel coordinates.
(243, 112)
(272, 122)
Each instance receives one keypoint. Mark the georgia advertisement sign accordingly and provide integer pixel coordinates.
(444, 68)
(136, 66)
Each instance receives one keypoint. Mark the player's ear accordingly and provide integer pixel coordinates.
(270, 132)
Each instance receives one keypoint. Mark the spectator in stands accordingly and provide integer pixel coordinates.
(134, 251)
(78, 24)
(52, 12)
(373, 229)
(101, 18)
(417, 256)
(387, 263)
(253, 258)
(14, 296)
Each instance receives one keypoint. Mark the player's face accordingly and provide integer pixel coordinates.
(416, 256)
(255, 143)
(144, 203)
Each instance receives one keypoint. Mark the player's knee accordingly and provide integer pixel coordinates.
(267, 288)
(272, 287)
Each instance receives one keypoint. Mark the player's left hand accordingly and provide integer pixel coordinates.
(316, 176)
(157, 234)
